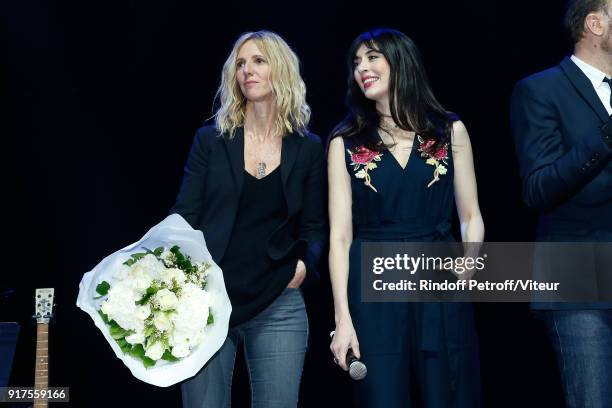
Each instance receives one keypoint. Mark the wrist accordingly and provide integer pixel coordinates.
(342, 318)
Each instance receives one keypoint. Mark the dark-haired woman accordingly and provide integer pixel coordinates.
(397, 165)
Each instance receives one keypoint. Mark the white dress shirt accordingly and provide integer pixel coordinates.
(596, 77)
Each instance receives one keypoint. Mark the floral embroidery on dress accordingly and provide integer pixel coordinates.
(437, 158)
(362, 160)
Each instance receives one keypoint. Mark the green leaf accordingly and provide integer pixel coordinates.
(138, 256)
(148, 362)
(103, 288)
(168, 356)
(157, 251)
(179, 255)
(183, 262)
(137, 351)
(135, 258)
(151, 290)
(125, 346)
(149, 330)
(211, 319)
(104, 317)
(117, 332)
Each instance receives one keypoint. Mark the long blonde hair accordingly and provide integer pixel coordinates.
(288, 88)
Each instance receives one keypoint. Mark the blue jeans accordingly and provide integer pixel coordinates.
(582, 340)
(274, 344)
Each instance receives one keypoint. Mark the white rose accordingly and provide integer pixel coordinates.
(152, 265)
(162, 322)
(107, 307)
(144, 311)
(155, 351)
(167, 256)
(139, 278)
(181, 350)
(124, 270)
(120, 306)
(191, 313)
(166, 299)
(174, 274)
(136, 338)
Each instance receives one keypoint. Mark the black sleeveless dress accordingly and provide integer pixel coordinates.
(430, 348)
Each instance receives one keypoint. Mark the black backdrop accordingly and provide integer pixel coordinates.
(103, 98)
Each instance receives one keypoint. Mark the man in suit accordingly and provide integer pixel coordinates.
(562, 127)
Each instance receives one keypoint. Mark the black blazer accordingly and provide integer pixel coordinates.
(210, 192)
(564, 162)
(565, 165)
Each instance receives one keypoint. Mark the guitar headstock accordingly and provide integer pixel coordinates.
(43, 303)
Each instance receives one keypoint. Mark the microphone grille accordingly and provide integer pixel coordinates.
(358, 370)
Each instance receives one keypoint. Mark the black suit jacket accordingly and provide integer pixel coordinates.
(565, 165)
(210, 192)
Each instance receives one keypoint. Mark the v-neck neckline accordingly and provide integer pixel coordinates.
(264, 177)
(403, 169)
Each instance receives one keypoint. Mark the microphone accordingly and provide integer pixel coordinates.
(357, 369)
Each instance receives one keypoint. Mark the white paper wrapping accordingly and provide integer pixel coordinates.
(174, 230)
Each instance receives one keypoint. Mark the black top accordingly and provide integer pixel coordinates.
(212, 186)
(253, 279)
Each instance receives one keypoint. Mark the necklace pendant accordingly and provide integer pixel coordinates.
(261, 170)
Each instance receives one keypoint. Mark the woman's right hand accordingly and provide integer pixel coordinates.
(345, 338)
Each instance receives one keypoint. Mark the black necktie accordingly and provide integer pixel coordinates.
(609, 81)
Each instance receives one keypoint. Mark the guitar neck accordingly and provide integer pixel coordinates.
(41, 370)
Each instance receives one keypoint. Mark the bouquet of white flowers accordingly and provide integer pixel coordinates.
(158, 307)
(165, 311)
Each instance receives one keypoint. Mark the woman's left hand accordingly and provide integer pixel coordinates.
(298, 277)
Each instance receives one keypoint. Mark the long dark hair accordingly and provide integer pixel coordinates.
(412, 104)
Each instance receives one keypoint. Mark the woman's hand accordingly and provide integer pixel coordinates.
(462, 273)
(344, 339)
(298, 277)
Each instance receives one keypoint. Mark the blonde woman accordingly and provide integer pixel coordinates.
(255, 185)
